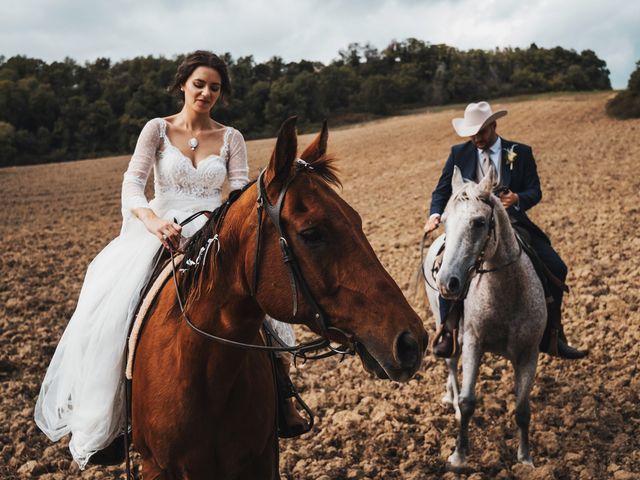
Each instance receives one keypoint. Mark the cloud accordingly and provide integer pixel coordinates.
(316, 29)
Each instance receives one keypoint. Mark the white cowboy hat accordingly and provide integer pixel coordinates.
(476, 116)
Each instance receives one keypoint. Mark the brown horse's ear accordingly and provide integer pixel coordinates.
(285, 152)
(318, 147)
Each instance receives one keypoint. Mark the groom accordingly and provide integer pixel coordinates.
(519, 190)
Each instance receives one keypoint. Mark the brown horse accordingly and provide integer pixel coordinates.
(203, 410)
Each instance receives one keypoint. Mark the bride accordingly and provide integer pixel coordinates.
(191, 155)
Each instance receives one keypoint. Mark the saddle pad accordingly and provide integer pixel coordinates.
(145, 305)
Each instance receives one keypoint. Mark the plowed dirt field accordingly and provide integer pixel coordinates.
(586, 414)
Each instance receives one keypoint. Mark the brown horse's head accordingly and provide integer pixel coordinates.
(359, 298)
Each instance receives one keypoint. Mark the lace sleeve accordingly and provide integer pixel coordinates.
(237, 166)
(135, 178)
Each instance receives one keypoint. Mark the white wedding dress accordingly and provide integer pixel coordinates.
(82, 392)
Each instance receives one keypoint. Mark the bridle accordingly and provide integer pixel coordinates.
(306, 350)
(476, 268)
(296, 280)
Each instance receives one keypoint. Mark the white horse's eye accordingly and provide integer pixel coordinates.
(479, 222)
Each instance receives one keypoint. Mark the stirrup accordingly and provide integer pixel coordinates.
(451, 325)
(286, 390)
(440, 333)
(284, 430)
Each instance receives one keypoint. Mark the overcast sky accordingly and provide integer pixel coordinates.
(314, 29)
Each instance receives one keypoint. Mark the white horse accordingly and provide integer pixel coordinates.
(504, 308)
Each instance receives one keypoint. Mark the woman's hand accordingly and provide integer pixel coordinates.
(167, 232)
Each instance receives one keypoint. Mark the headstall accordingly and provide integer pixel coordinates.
(476, 267)
(297, 281)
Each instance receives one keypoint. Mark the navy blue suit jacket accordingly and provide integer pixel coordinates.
(522, 179)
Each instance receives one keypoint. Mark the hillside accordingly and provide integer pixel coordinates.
(586, 420)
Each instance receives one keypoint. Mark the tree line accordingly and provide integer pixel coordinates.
(64, 110)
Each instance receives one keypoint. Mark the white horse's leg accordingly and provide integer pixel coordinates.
(525, 372)
(452, 391)
(452, 395)
(471, 356)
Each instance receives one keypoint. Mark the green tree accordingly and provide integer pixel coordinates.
(338, 83)
(378, 94)
(7, 145)
(101, 127)
(576, 78)
(66, 110)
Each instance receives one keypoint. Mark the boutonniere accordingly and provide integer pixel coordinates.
(511, 155)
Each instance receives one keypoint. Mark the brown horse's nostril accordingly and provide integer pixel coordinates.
(453, 285)
(408, 352)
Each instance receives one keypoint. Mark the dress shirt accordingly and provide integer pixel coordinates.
(495, 154)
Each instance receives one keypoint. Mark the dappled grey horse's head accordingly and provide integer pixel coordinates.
(468, 220)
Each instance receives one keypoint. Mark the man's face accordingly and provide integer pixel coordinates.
(485, 137)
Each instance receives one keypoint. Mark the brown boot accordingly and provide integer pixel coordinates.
(290, 422)
(445, 342)
(444, 347)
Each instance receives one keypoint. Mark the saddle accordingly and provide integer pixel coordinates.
(162, 271)
(450, 324)
(524, 240)
(544, 274)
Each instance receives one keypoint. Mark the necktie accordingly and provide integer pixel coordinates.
(486, 162)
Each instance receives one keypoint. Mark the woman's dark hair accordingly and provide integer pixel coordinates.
(201, 58)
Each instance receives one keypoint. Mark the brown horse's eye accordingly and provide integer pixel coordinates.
(312, 236)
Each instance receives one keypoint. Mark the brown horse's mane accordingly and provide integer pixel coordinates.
(201, 250)
(326, 168)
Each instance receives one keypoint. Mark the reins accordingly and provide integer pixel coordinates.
(306, 350)
(492, 229)
(476, 267)
(297, 280)
(471, 272)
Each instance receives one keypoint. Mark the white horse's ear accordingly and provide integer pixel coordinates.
(487, 183)
(456, 179)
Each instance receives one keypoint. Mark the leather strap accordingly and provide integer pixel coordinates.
(296, 279)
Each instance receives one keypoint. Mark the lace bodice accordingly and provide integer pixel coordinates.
(174, 173)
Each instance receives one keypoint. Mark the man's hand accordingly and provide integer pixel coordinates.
(509, 199)
(432, 223)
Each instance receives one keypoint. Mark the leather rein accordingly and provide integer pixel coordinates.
(296, 280)
(476, 267)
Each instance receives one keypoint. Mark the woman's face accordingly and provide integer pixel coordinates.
(202, 89)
